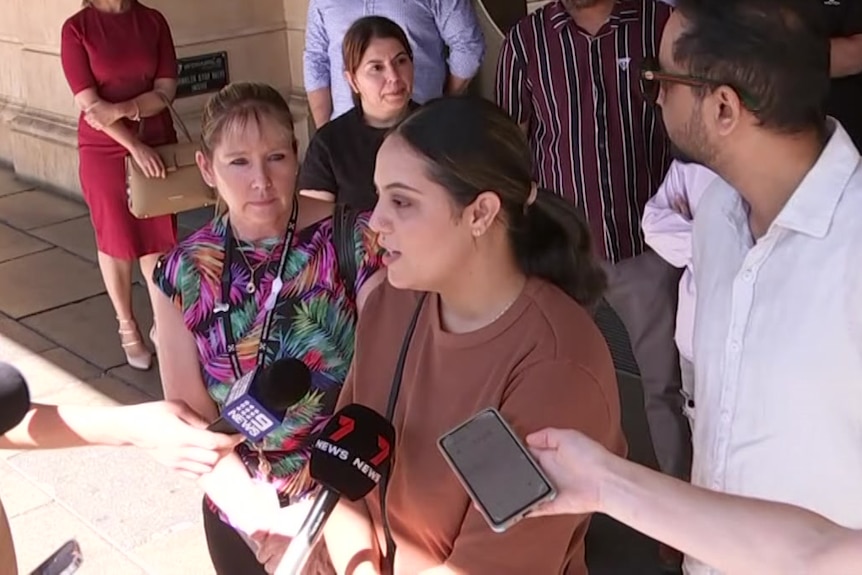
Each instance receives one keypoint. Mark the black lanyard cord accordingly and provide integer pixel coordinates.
(225, 307)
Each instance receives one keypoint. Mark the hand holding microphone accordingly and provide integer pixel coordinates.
(348, 459)
(255, 407)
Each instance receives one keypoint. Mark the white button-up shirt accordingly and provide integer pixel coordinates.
(778, 344)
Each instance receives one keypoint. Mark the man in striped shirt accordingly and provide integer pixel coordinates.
(569, 74)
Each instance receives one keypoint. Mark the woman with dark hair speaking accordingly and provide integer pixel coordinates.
(501, 277)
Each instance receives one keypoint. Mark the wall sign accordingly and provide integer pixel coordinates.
(202, 74)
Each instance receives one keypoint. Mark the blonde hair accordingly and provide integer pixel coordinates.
(238, 104)
(234, 107)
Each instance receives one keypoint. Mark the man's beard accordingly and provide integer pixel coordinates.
(678, 155)
(692, 146)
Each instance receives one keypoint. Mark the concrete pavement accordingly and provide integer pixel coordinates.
(129, 514)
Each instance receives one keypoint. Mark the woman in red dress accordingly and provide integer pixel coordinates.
(119, 60)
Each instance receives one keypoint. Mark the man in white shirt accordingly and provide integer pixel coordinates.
(777, 347)
(667, 225)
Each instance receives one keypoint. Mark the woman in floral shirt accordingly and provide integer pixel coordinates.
(281, 256)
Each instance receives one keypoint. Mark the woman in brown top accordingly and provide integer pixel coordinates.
(509, 273)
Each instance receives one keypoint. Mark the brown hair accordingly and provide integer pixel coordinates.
(360, 35)
(238, 104)
(471, 146)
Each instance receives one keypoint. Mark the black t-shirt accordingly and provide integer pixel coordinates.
(844, 18)
(340, 159)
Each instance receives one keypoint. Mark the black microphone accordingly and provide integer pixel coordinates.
(258, 401)
(14, 397)
(347, 460)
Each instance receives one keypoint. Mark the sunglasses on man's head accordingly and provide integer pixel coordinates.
(652, 77)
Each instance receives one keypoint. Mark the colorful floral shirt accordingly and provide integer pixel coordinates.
(314, 321)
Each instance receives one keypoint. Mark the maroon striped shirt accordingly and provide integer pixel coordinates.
(595, 140)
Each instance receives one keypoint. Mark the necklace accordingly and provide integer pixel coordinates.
(505, 309)
(250, 287)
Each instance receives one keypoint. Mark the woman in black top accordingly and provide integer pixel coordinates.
(339, 163)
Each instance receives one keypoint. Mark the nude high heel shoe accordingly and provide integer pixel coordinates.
(137, 354)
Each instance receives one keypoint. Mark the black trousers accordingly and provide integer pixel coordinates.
(229, 553)
(232, 556)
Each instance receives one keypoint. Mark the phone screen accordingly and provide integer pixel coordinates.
(496, 469)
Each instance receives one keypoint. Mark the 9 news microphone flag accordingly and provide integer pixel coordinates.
(257, 402)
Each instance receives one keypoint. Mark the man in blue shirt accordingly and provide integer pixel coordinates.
(433, 27)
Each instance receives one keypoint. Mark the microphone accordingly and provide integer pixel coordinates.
(14, 397)
(257, 402)
(348, 459)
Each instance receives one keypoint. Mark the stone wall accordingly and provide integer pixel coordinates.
(263, 38)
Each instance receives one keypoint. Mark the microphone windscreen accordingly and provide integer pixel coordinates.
(14, 397)
(284, 383)
(352, 451)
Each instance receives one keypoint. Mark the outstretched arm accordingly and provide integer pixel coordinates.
(732, 534)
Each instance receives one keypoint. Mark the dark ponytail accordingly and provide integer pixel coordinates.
(472, 146)
(553, 242)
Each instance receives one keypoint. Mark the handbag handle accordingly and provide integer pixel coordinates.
(174, 116)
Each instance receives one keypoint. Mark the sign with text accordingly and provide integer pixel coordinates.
(202, 74)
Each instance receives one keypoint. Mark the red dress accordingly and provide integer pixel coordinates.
(120, 55)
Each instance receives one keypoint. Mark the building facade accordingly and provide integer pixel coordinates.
(262, 40)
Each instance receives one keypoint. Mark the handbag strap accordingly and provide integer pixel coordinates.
(174, 116)
(343, 222)
(389, 556)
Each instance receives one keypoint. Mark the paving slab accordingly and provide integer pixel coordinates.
(121, 492)
(147, 382)
(74, 235)
(77, 236)
(14, 244)
(101, 346)
(182, 552)
(19, 494)
(52, 371)
(40, 532)
(10, 184)
(17, 340)
(44, 281)
(103, 390)
(37, 208)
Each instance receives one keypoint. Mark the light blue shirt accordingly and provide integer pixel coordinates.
(431, 26)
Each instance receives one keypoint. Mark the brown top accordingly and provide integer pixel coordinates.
(542, 363)
(7, 550)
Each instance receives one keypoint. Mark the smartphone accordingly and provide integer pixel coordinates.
(496, 470)
(64, 560)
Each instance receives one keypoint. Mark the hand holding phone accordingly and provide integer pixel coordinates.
(496, 469)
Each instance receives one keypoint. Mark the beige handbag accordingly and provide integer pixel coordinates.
(182, 189)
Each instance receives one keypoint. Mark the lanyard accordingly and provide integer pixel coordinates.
(224, 309)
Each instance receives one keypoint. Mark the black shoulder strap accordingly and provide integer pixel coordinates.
(343, 223)
(388, 567)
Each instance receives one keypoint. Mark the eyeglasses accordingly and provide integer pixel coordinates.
(652, 78)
